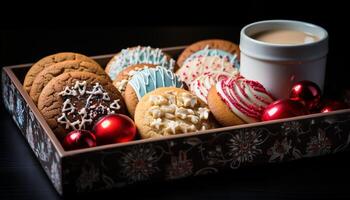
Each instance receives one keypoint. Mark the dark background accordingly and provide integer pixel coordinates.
(26, 37)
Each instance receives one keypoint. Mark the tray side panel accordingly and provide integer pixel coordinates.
(207, 153)
(32, 130)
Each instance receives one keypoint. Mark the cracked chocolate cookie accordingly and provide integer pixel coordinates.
(49, 60)
(52, 71)
(76, 100)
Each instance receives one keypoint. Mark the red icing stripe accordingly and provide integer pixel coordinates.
(250, 109)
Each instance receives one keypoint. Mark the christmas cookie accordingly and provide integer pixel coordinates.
(215, 44)
(202, 84)
(147, 80)
(49, 60)
(138, 55)
(204, 64)
(52, 71)
(124, 76)
(237, 101)
(76, 100)
(171, 111)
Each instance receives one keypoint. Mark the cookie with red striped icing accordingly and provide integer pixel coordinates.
(237, 101)
(201, 85)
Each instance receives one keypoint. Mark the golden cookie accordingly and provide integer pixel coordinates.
(147, 80)
(54, 70)
(237, 101)
(171, 111)
(49, 60)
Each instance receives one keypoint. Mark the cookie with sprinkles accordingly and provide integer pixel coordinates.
(171, 111)
(205, 64)
(214, 44)
(237, 101)
(202, 84)
(147, 80)
(76, 100)
(138, 55)
(124, 76)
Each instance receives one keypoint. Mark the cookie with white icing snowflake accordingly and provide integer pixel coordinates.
(138, 55)
(170, 111)
(76, 100)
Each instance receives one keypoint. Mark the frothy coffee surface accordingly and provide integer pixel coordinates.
(285, 36)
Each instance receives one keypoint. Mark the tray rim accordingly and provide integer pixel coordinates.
(62, 153)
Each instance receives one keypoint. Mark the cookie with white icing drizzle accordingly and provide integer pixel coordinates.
(146, 81)
(218, 44)
(76, 100)
(171, 111)
(236, 101)
(124, 76)
(202, 84)
(138, 55)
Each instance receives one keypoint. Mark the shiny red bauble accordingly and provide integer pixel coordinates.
(309, 93)
(114, 128)
(332, 105)
(283, 109)
(79, 139)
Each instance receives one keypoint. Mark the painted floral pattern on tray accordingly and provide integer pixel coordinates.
(32, 131)
(180, 157)
(210, 153)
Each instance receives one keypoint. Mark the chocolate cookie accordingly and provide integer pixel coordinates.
(124, 76)
(138, 55)
(218, 44)
(52, 71)
(76, 100)
(49, 60)
(147, 80)
(170, 111)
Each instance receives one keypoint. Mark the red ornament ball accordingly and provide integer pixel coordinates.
(114, 128)
(308, 93)
(332, 105)
(79, 139)
(283, 109)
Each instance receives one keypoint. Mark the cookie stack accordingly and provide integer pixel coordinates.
(162, 96)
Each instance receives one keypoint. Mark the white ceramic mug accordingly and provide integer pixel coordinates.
(277, 66)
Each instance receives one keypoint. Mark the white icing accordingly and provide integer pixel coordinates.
(204, 64)
(88, 113)
(156, 123)
(253, 97)
(138, 55)
(177, 113)
(202, 84)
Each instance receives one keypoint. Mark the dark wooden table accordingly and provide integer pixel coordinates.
(21, 176)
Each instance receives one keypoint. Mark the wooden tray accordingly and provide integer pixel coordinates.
(172, 157)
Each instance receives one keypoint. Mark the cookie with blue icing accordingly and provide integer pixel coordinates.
(218, 44)
(138, 55)
(147, 80)
(206, 52)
